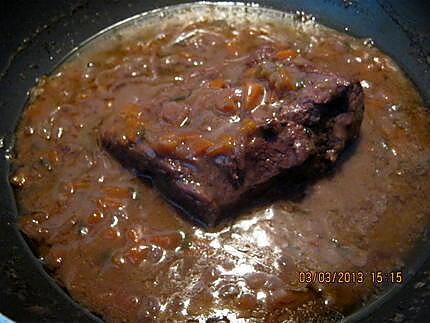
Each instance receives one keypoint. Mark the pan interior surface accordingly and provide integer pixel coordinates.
(274, 258)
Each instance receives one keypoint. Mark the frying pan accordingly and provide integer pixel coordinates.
(36, 35)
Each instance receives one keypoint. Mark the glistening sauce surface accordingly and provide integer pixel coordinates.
(122, 251)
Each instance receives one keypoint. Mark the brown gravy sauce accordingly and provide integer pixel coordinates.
(123, 252)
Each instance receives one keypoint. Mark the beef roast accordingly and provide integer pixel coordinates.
(298, 132)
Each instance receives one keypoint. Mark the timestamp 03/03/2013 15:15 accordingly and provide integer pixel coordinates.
(350, 277)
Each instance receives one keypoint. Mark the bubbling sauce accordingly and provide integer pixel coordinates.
(118, 248)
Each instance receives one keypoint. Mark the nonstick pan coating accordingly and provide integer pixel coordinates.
(36, 35)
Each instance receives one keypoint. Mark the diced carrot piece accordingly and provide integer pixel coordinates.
(216, 84)
(286, 54)
(185, 54)
(133, 127)
(166, 144)
(108, 203)
(224, 146)
(184, 136)
(133, 235)
(116, 192)
(95, 217)
(199, 145)
(248, 126)
(165, 241)
(133, 120)
(253, 94)
(112, 233)
(53, 156)
(131, 133)
(73, 187)
(229, 106)
(135, 255)
(227, 140)
(131, 112)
